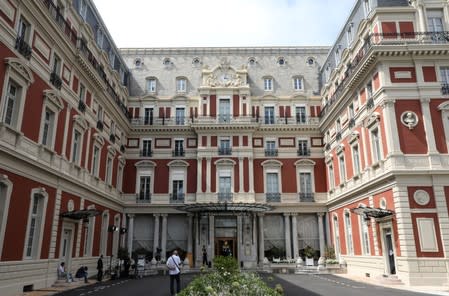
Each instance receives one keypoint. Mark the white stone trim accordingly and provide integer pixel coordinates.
(4, 218)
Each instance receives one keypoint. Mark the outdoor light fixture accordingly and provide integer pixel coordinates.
(112, 228)
(123, 230)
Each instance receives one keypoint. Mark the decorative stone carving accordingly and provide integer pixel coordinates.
(409, 119)
(70, 205)
(421, 197)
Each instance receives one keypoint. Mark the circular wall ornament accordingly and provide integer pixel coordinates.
(421, 197)
(70, 205)
(383, 204)
(409, 119)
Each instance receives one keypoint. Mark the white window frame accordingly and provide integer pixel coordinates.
(342, 168)
(5, 196)
(376, 154)
(268, 84)
(431, 16)
(37, 238)
(54, 103)
(305, 166)
(363, 229)
(104, 232)
(272, 166)
(349, 237)
(305, 113)
(181, 85)
(274, 113)
(82, 9)
(56, 64)
(75, 156)
(142, 146)
(330, 169)
(180, 120)
(298, 83)
(28, 31)
(151, 85)
(225, 167)
(109, 170)
(145, 168)
(48, 128)
(357, 169)
(89, 240)
(444, 74)
(178, 172)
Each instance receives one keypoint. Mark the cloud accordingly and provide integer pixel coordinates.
(175, 23)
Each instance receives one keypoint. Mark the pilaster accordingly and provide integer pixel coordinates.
(288, 244)
(164, 236)
(130, 232)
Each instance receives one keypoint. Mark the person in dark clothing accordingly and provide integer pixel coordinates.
(100, 268)
(82, 273)
(204, 255)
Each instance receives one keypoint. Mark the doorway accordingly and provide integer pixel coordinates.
(226, 246)
(389, 251)
(66, 246)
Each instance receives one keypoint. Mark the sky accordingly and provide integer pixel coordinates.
(212, 23)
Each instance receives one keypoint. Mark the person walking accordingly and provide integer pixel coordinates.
(174, 271)
(204, 255)
(100, 268)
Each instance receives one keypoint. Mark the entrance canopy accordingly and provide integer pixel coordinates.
(81, 214)
(225, 207)
(368, 212)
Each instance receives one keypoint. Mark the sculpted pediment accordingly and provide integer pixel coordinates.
(224, 76)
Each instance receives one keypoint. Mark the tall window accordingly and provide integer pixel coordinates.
(151, 85)
(180, 116)
(224, 187)
(350, 35)
(305, 183)
(48, 128)
(24, 30)
(146, 148)
(82, 94)
(356, 159)
(342, 167)
(272, 183)
(298, 83)
(225, 146)
(351, 111)
(95, 160)
(56, 64)
(369, 90)
(12, 104)
(375, 145)
(181, 85)
(120, 178)
(34, 226)
(444, 73)
(111, 58)
(144, 193)
(364, 235)
(148, 116)
(337, 236)
(331, 177)
(301, 114)
(76, 146)
(108, 178)
(100, 38)
(178, 190)
(270, 148)
(268, 84)
(303, 148)
(104, 233)
(179, 146)
(269, 115)
(83, 9)
(349, 234)
(89, 236)
(224, 110)
(435, 20)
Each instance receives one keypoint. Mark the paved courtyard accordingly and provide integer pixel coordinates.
(294, 285)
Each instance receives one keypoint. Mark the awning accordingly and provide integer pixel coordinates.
(225, 207)
(81, 214)
(368, 212)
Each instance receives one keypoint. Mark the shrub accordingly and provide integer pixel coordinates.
(329, 252)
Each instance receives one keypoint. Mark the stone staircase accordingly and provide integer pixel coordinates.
(389, 280)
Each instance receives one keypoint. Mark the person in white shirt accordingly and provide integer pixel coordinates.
(174, 270)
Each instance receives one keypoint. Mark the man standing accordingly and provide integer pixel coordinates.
(100, 268)
(174, 271)
(204, 255)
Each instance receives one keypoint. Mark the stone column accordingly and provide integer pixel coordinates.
(208, 175)
(156, 234)
(288, 244)
(241, 175)
(164, 236)
(295, 236)
(321, 233)
(421, 19)
(199, 183)
(196, 226)
(211, 237)
(392, 134)
(190, 239)
(251, 175)
(261, 240)
(239, 238)
(130, 232)
(55, 223)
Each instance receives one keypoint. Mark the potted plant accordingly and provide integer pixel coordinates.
(309, 253)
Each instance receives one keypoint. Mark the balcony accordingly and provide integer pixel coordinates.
(23, 47)
(143, 197)
(224, 196)
(177, 198)
(351, 123)
(370, 103)
(327, 147)
(273, 197)
(271, 152)
(100, 125)
(445, 88)
(178, 152)
(81, 106)
(224, 151)
(161, 121)
(60, 21)
(303, 152)
(112, 138)
(306, 197)
(55, 80)
(146, 153)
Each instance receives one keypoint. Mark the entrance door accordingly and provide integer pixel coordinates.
(224, 110)
(389, 251)
(226, 247)
(66, 247)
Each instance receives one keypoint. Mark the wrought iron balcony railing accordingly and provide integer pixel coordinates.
(23, 47)
(327, 147)
(177, 198)
(271, 152)
(112, 138)
(303, 152)
(143, 197)
(273, 197)
(81, 106)
(122, 148)
(178, 152)
(338, 136)
(100, 125)
(306, 196)
(56, 15)
(224, 151)
(56, 80)
(146, 153)
(445, 88)
(224, 196)
(351, 123)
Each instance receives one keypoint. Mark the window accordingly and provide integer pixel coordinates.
(181, 85)
(272, 183)
(349, 34)
(224, 110)
(367, 6)
(57, 64)
(148, 116)
(305, 183)
(180, 116)
(120, 178)
(331, 177)
(76, 146)
(82, 9)
(269, 115)
(104, 232)
(178, 190)
(342, 167)
(12, 104)
(179, 148)
(36, 220)
(109, 168)
(89, 236)
(364, 235)
(337, 55)
(270, 148)
(268, 84)
(225, 146)
(144, 193)
(444, 73)
(435, 20)
(337, 236)
(369, 90)
(48, 128)
(338, 126)
(100, 38)
(24, 29)
(298, 83)
(5, 197)
(146, 148)
(95, 160)
(225, 186)
(348, 227)
(375, 145)
(303, 148)
(111, 58)
(82, 93)
(151, 85)
(100, 113)
(301, 114)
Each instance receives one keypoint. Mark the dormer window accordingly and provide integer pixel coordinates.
(83, 9)
(268, 84)
(100, 38)
(298, 83)
(281, 61)
(151, 85)
(138, 63)
(111, 57)
(349, 34)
